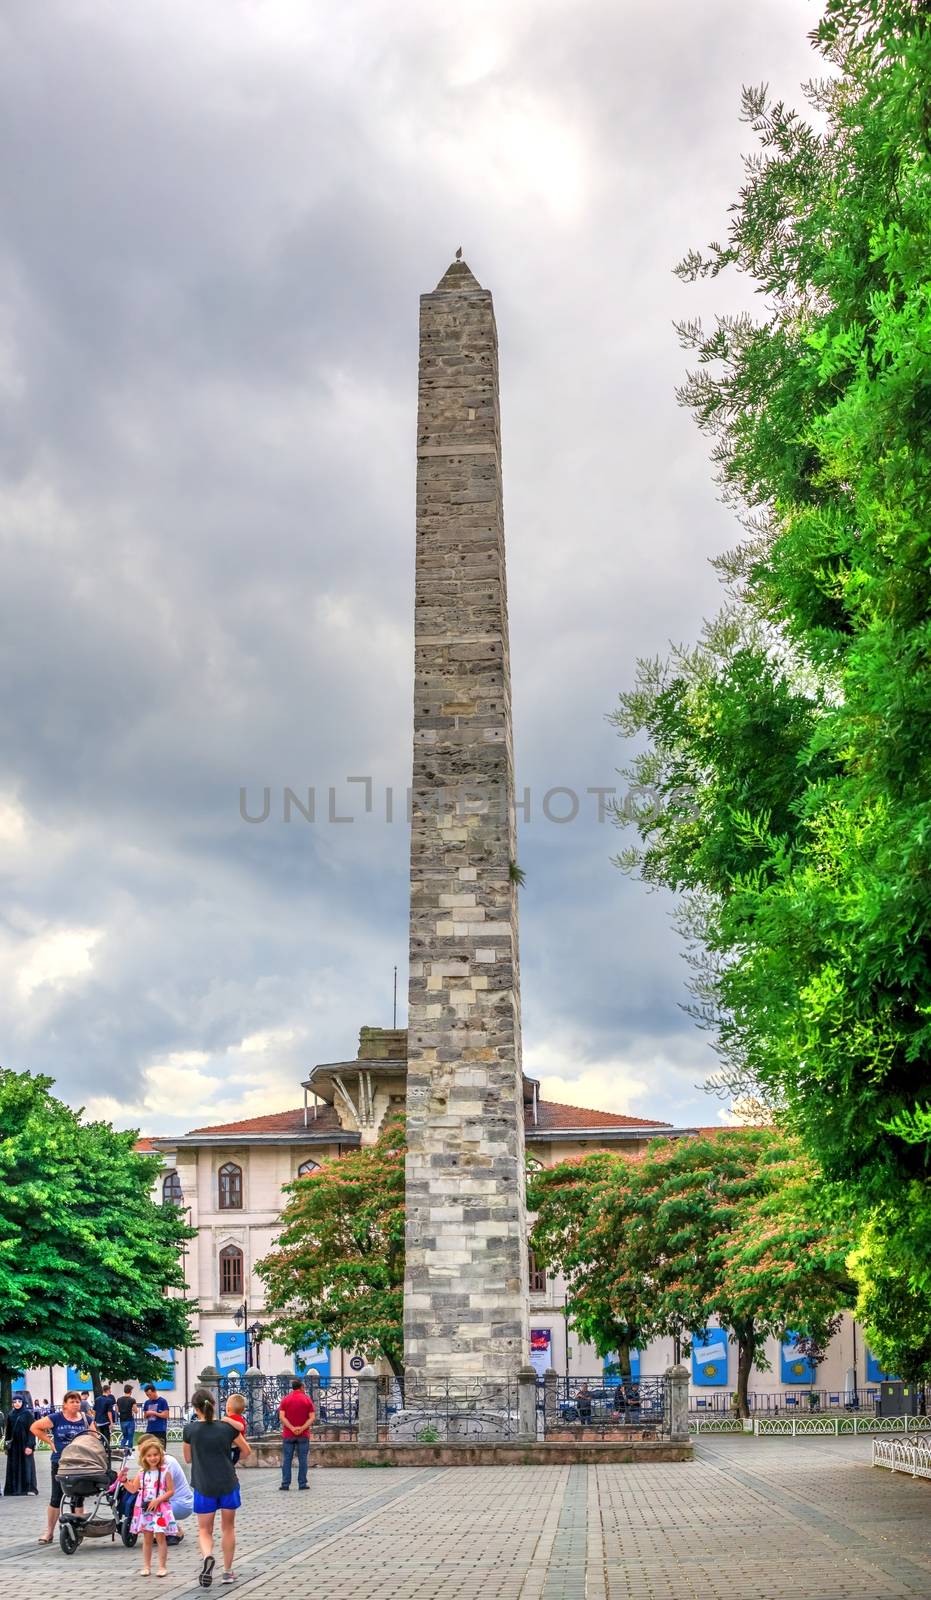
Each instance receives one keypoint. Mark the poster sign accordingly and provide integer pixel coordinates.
(612, 1371)
(796, 1367)
(168, 1356)
(875, 1373)
(76, 1379)
(709, 1358)
(316, 1356)
(231, 1351)
(541, 1340)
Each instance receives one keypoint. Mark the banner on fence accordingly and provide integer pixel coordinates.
(709, 1358)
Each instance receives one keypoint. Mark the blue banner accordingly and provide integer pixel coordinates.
(169, 1356)
(316, 1356)
(231, 1351)
(709, 1358)
(76, 1379)
(612, 1371)
(875, 1373)
(796, 1368)
(19, 1384)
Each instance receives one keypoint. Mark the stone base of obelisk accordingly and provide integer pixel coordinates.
(456, 1410)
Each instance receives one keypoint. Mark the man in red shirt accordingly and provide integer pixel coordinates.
(296, 1412)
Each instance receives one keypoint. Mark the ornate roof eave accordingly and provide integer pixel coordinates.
(606, 1135)
(300, 1136)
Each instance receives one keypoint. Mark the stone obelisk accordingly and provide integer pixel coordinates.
(465, 1294)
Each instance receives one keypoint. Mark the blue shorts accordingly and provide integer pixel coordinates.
(205, 1503)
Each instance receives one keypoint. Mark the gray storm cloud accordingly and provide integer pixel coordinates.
(215, 226)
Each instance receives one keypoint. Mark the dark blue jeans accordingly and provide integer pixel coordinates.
(288, 1447)
(127, 1434)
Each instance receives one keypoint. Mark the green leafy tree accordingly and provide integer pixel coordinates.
(336, 1276)
(789, 756)
(693, 1228)
(568, 1201)
(90, 1265)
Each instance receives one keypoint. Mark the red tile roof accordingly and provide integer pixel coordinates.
(550, 1114)
(279, 1122)
(144, 1144)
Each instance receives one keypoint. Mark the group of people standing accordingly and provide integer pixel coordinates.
(211, 1446)
(107, 1411)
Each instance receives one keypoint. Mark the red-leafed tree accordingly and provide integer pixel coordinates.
(725, 1225)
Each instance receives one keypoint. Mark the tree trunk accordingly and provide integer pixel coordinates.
(6, 1393)
(96, 1380)
(746, 1350)
(395, 1362)
(623, 1360)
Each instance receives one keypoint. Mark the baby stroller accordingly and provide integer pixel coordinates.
(85, 1473)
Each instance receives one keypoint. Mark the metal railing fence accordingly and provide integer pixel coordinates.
(788, 1402)
(336, 1401)
(437, 1409)
(594, 1403)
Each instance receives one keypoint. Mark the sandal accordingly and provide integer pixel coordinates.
(46, 1538)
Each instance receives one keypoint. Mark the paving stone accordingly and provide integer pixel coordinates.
(746, 1520)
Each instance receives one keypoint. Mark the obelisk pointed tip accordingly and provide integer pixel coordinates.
(458, 277)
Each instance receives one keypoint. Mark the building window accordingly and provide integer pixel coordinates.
(230, 1181)
(172, 1194)
(307, 1167)
(537, 1275)
(231, 1269)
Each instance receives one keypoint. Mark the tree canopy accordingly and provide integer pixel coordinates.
(336, 1276)
(789, 752)
(704, 1226)
(86, 1255)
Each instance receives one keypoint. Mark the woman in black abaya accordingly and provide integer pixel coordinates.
(20, 1445)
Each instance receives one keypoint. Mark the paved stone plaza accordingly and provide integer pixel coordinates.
(747, 1520)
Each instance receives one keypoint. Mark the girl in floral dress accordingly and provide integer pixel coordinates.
(153, 1517)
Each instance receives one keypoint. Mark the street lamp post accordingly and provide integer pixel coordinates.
(254, 1333)
(254, 1343)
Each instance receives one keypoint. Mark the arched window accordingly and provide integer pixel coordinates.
(229, 1179)
(231, 1269)
(172, 1194)
(307, 1167)
(533, 1164)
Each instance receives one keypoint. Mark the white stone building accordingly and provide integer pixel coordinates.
(229, 1176)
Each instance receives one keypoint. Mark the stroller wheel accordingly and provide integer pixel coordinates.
(68, 1538)
(128, 1538)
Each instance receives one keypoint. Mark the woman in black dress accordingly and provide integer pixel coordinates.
(20, 1447)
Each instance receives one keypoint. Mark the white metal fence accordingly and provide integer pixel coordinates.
(905, 1455)
(811, 1427)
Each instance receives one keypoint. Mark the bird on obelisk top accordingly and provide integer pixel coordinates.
(459, 253)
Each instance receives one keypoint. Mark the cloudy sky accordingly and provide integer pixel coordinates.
(216, 220)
